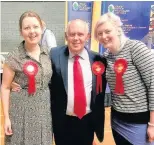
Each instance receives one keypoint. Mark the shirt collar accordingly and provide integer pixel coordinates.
(23, 52)
(82, 54)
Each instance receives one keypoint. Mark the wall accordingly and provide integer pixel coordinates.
(51, 12)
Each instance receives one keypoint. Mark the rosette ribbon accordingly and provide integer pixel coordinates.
(120, 67)
(30, 68)
(98, 69)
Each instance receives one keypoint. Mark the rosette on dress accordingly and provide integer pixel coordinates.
(30, 68)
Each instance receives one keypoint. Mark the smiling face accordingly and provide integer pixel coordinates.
(31, 30)
(76, 36)
(108, 36)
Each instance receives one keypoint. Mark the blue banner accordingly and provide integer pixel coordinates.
(136, 17)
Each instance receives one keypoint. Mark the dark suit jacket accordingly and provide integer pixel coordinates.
(58, 87)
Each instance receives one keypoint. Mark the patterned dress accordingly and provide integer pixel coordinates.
(30, 115)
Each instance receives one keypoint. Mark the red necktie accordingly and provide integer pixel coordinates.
(79, 91)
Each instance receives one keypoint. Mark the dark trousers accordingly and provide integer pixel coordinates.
(120, 140)
(75, 131)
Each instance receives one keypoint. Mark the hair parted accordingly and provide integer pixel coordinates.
(29, 14)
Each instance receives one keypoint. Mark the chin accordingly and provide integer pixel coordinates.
(76, 48)
(34, 42)
(107, 46)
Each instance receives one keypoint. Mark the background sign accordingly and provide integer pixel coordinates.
(136, 17)
(81, 10)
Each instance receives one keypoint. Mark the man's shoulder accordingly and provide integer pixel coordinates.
(93, 52)
(49, 31)
(57, 50)
(97, 56)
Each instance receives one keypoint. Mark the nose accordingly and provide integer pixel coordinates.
(104, 35)
(75, 36)
(32, 30)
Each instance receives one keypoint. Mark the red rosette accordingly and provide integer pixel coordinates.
(30, 68)
(98, 69)
(120, 67)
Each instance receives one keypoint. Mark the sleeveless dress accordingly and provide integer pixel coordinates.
(30, 115)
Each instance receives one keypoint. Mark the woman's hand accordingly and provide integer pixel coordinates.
(15, 87)
(150, 132)
(7, 127)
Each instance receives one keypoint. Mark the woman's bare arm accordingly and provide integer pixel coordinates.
(8, 75)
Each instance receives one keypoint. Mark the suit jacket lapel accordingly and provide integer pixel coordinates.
(64, 66)
(91, 58)
(64, 70)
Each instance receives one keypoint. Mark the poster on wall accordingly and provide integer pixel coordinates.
(81, 10)
(137, 18)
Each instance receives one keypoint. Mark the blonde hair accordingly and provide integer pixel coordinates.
(109, 17)
(77, 20)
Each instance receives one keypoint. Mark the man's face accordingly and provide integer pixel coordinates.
(76, 36)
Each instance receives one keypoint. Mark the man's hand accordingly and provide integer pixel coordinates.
(15, 87)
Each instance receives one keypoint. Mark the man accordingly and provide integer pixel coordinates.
(48, 37)
(148, 39)
(72, 125)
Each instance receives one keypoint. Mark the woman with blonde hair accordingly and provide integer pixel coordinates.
(130, 75)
